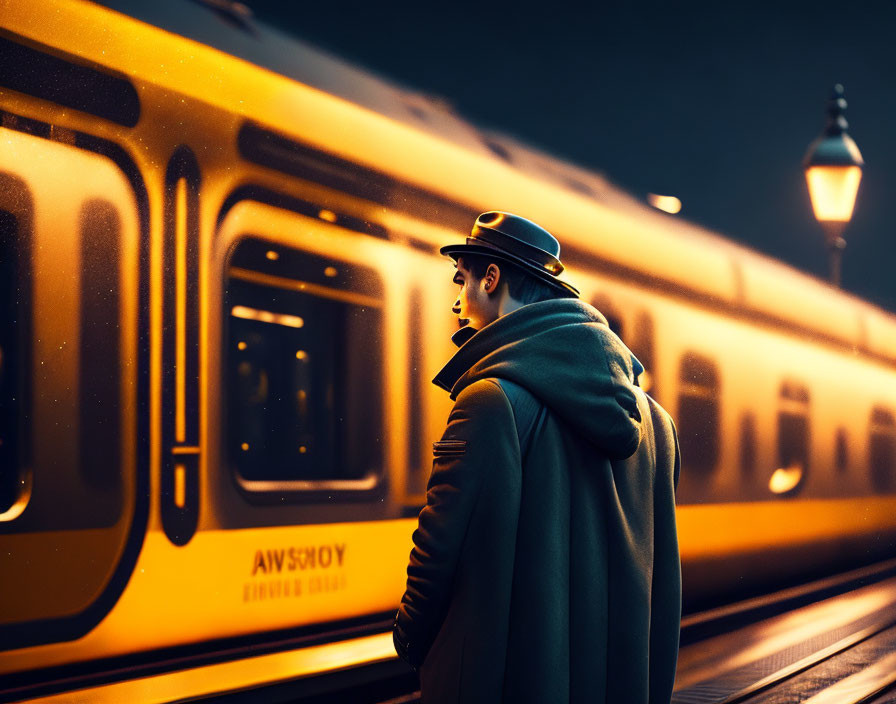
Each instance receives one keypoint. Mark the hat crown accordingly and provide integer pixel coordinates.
(520, 229)
(513, 239)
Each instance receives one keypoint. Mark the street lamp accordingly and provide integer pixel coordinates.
(833, 166)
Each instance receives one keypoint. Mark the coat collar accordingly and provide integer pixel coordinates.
(475, 344)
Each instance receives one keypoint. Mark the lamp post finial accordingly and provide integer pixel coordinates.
(837, 123)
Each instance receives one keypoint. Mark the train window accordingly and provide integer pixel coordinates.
(66, 83)
(578, 185)
(606, 307)
(842, 450)
(417, 112)
(14, 288)
(303, 370)
(698, 413)
(498, 150)
(747, 445)
(793, 439)
(882, 449)
(642, 346)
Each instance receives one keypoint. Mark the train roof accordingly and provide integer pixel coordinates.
(210, 22)
(682, 254)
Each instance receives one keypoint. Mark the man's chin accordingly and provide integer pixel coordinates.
(463, 322)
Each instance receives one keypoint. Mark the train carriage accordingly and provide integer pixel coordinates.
(223, 306)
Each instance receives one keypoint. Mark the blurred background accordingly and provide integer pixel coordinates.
(713, 103)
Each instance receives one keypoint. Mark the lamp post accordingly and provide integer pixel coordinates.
(833, 166)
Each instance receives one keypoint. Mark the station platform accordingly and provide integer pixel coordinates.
(835, 650)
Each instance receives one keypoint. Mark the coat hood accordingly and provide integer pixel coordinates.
(565, 354)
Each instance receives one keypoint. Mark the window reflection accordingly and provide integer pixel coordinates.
(793, 439)
(698, 413)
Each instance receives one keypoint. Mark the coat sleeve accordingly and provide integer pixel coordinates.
(665, 621)
(480, 432)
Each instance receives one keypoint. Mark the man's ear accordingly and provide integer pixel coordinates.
(492, 278)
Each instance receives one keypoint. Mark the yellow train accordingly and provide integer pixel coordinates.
(223, 306)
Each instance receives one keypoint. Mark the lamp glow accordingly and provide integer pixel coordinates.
(266, 316)
(668, 204)
(785, 479)
(833, 190)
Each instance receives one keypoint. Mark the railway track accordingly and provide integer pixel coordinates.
(830, 642)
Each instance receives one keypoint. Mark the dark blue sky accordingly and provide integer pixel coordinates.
(715, 103)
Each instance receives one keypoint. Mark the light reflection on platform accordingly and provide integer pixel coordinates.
(808, 651)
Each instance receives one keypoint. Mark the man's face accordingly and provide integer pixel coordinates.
(477, 300)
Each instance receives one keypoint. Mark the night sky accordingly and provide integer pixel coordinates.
(714, 103)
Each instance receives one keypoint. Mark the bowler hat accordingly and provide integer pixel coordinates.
(518, 241)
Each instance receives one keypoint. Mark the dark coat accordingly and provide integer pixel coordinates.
(554, 576)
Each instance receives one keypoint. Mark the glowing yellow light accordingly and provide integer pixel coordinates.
(180, 485)
(272, 255)
(266, 316)
(180, 366)
(295, 285)
(327, 215)
(21, 502)
(668, 204)
(330, 271)
(833, 191)
(785, 478)
(245, 446)
(292, 321)
(241, 345)
(301, 354)
(303, 449)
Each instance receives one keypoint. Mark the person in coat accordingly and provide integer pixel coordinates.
(545, 565)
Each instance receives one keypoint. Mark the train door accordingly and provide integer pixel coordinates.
(69, 255)
(614, 319)
(430, 324)
(882, 450)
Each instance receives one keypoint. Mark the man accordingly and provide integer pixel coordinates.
(545, 565)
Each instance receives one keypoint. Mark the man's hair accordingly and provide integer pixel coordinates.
(523, 287)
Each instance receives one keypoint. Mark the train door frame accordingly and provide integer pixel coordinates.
(122, 209)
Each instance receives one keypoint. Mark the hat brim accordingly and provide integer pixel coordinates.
(456, 250)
